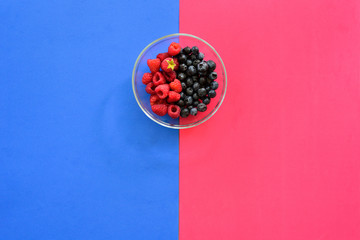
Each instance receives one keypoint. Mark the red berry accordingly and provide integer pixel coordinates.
(162, 90)
(147, 77)
(162, 56)
(159, 109)
(176, 61)
(170, 76)
(174, 111)
(174, 49)
(150, 88)
(154, 65)
(158, 79)
(173, 97)
(154, 99)
(176, 86)
(168, 65)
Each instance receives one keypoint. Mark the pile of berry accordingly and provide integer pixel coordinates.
(180, 82)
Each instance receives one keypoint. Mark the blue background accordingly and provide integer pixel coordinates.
(78, 158)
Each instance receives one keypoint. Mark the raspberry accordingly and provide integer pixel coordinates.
(158, 79)
(154, 65)
(170, 76)
(176, 61)
(154, 99)
(150, 88)
(174, 111)
(174, 49)
(159, 109)
(173, 97)
(168, 65)
(162, 56)
(162, 90)
(176, 86)
(147, 77)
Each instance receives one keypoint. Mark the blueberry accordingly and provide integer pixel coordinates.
(212, 93)
(206, 101)
(188, 100)
(180, 103)
(203, 74)
(202, 66)
(214, 85)
(202, 80)
(184, 112)
(207, 89)
(190, 107)
(196, 86)
(196, 62)
(182, 95)
(201, 107)
(209, 81)
(190, 91)
(212, 65)
(201, 92)
(200, 56)
(195, 96)
(191, 71)
(189, 82)
(187, 50)
(195, 103)
(212, 76)
(182, 58)
(193, 57)
(182, 67)
(195, 50)
(193, 111)
(188, 62)
(181, 76)
(195, 78)
(183, 85)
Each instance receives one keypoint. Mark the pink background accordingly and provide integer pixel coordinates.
(281, 158)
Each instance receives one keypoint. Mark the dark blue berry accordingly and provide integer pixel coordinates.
(190, 91)
(182, 58)
(202, 80)
(188, 62)
(190, 107)
(183, 85)
(201, 92)
(202, 66)
(200, 56)
(195, 78)
(214, 85)
(193, 57)
(184, 112)
(187, 50)
(212, 76)
(201, 107)
(195, 96)
(206, 101)
(207, 89)
(188, 100)
(191, 71)
(182, 95)
(181, 76)
(196, 86)
(195, 50)
(193, 111)
(180, 103)
(189, 82)
(182, 67)
(195, 103)
(196, 62)
(212, 93)
(212, 65)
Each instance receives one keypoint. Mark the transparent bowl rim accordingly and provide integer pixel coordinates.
(207, 117)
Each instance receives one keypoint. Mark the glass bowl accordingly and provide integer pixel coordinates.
(161, 45)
